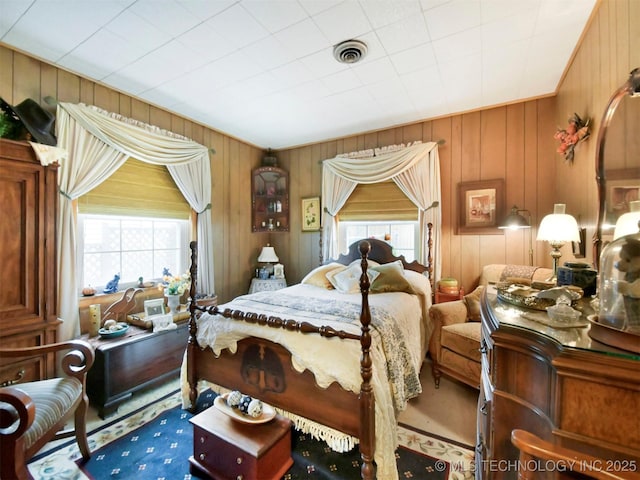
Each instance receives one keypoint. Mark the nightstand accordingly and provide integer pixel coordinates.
(442, 297)
(268, 285)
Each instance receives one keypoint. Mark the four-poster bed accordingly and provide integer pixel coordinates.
(316, 378)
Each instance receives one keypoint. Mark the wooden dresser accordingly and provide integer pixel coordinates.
(556, 383)
(28, 309)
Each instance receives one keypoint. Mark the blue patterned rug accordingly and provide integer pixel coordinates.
(155, 443)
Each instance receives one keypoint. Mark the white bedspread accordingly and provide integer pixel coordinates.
(397, 347)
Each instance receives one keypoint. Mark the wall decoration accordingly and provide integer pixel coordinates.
(576, 132)
(311, 214)
(481, 207)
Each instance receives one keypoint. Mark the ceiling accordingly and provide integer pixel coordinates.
(263, 71)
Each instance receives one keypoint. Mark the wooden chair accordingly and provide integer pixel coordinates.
(542, 459)
(33, 413)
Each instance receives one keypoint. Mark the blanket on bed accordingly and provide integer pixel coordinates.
(395, 330)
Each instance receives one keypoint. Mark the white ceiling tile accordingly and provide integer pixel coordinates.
(268, 53)
(403, 34)
(10, 12)
(205, 9)
(205, 40)
(275, 15)
(323, 63)
(514, 28)
(342, 81)
(167, 16)
(312, 7)
(215, 61)
(492, 10)
(101, 55)
(375, 71)
(136, 29)
(415, 58)
(343, 22)
(237, 27)
(302, 39)
(458, 45)
(453, 17)
(381, 13)
(291, 74)
(37, 32)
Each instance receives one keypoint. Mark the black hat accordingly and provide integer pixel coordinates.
(38, 121)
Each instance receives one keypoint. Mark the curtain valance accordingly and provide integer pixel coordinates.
(416, 171)
(98, 143)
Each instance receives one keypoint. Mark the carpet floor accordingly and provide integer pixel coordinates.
(155, 441)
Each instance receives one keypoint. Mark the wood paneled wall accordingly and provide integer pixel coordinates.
(509, 142)
(513, 142)
(236, 248)
(600, 66)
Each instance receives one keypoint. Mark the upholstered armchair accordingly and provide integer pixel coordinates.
(33, 413)
(454, 346)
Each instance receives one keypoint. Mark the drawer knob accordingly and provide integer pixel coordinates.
(239, 460)
(239, 477)
(202, 456)
(201, 439)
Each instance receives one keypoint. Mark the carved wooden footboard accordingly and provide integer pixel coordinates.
(263, 369)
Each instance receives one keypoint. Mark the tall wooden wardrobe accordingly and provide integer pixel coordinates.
(28, 275)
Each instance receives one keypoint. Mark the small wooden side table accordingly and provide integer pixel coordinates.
(442, 297)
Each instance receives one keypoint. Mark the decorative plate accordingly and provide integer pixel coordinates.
(268, 412)
(105, 333)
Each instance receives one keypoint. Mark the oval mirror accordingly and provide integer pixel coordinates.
(618, 160)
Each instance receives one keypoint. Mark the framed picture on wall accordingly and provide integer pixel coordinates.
(311, 214)
(481, 207)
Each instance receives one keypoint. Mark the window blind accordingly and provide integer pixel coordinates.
(378, 201)
(138, 189)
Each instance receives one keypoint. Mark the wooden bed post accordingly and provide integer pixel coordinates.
(192, 343)
(367, 400)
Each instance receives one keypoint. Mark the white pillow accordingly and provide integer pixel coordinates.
(318, 276)
(348, 280)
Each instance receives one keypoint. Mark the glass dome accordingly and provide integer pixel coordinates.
(619, 283)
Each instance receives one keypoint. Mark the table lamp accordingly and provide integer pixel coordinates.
(627, 223)
(558, 228)
(268, 256)
(515, 221)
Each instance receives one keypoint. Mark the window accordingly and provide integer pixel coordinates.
(134, 247)
(403, 236)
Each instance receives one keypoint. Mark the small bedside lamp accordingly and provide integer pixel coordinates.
(628, 222)
(268, 256)
(558, 228)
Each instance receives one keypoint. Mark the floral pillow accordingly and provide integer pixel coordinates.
(390, 279)
(318, 276)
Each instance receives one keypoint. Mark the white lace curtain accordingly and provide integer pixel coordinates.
(416, 171)
(98, 143)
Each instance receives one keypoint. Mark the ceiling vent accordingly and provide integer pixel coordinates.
(350, 51)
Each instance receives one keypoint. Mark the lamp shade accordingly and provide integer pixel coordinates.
(628, 222)
(558, 226)
(514, 220)
(268, 255)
